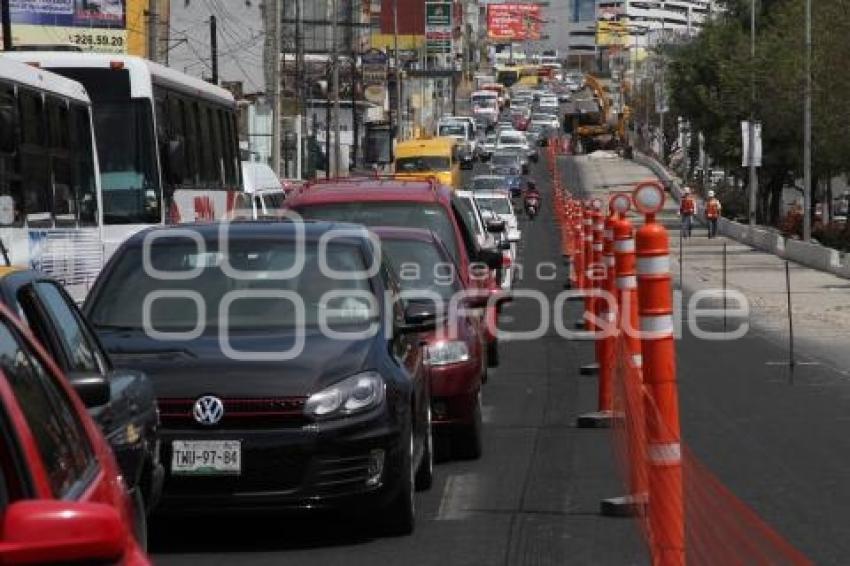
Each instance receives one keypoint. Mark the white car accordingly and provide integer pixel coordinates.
(486, 147)
(477, 219)
(514, 140)
(549, 104)
(499, 204)
(549, 120)
(265, 190)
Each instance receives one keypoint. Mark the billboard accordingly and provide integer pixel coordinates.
(610, 33)
(513, 22)
(94, 25)
(438, 27)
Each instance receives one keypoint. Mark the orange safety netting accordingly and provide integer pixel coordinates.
(719, 528)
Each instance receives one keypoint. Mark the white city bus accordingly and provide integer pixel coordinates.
(50, 204)
(167, 143)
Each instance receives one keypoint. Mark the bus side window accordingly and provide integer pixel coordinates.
(207, 170)
(215, 143)
(59, 129)
(84, 179)
(190, 129)
(35, 164)
(227, 149)
(10, 171)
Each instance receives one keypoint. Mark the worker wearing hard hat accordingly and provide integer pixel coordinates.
(713, 209)
(687, 209)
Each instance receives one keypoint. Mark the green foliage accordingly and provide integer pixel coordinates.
(710, 84)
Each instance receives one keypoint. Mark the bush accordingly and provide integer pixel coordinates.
(834, 235)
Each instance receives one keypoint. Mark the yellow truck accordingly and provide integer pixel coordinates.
(429, 157)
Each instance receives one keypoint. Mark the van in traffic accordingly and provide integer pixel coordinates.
(429, 157)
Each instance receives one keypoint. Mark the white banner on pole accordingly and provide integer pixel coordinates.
(745, 140)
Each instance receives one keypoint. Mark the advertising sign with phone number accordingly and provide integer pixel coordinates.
(93, 25)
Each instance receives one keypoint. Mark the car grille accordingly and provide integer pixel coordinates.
(276, 469)
(341, 474)
(242, 413)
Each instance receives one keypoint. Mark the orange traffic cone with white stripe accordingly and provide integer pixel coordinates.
(663, 449)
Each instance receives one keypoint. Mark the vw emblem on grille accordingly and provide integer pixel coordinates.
(208, 410)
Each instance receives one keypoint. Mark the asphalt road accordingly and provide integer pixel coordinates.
(533, 497)
(778, 440)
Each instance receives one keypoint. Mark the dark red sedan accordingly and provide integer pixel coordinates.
(62, 499)
(415, 204)
(456, 349)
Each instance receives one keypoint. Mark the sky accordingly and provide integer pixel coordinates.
(240, 40)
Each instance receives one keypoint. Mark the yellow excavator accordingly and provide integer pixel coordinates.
(594, 123)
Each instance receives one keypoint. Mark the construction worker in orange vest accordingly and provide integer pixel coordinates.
(713, 209)
(687, 209)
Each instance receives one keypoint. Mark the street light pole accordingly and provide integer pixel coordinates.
(399, 126)
(754, 180)
(335, 84)
(807, 131)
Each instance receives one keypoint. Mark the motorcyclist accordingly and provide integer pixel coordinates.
(531, 192)
(532, 197)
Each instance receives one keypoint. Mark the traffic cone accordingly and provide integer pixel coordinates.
(606, 312)
(664, 453)
(634, 503)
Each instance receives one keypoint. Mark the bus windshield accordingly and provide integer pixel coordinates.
(125, 146)
(129, 181)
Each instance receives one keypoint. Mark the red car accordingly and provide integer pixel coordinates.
(455, 351)
(415, 204)
(62, 498)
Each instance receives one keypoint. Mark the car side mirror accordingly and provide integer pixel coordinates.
(492, 259)
(505, 244)
(419, 317)
(495, 226)
(92, 388)
(60, 532)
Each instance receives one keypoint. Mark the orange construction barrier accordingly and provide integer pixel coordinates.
(629, 399)
(602, 272)
(664, 453)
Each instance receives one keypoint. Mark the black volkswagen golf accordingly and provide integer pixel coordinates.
(288, 374)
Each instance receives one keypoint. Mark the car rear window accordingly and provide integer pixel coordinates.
(497, 205)
(419, 266)
(213, 297)
(406, 214)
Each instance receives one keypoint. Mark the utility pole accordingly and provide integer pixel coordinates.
(355, 127)
(399, 127)
(301, 82)
(754, 180)
(153, 30)
(274, 29)
(807, 132)
(6, 16)
(214, 50)
(335, 83)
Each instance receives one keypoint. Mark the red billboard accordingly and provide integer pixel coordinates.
(513, 22)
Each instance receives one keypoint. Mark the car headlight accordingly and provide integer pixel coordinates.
(355, 394)
(449, 352)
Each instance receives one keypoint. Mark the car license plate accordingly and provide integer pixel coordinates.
(206, 457)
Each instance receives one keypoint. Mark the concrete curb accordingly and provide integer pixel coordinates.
(808, 254)
(811, 255)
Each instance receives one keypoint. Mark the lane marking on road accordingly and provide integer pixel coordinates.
(487, 413)
(458, 495)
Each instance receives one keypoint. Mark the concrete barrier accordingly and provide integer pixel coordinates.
(808, 254)
(732, 229)
(812, 255)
